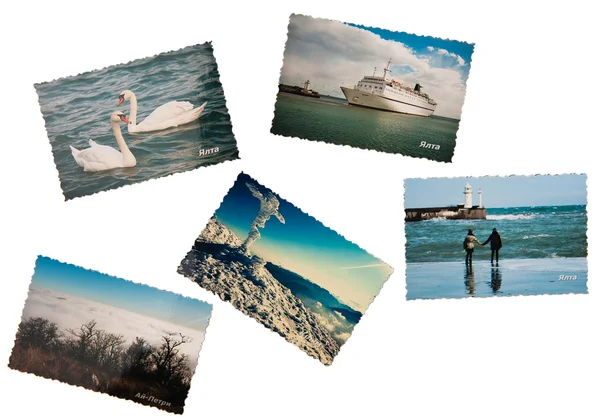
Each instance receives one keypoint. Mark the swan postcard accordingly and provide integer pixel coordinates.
(371, 88)
(496, 236)
(110, 335)
(285, 269)
(142, 120)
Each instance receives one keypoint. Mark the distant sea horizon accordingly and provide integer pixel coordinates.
(495, 208)
(343, 100)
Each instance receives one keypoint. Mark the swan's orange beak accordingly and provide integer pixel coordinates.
(124, 119)
(121, 99)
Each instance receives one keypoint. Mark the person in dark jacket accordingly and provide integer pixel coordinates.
(495, 242)
(469, 246)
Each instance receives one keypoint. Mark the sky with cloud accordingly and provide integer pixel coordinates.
(333, 54)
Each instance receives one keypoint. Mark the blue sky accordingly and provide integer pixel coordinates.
(117, 292)
(428, 46)
(305, 246)
(498, 192)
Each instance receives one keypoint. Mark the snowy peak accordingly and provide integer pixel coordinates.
(217, 233)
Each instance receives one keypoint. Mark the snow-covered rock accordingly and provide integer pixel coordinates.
(216, 232)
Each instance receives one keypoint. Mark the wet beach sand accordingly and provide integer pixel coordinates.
(431, 280)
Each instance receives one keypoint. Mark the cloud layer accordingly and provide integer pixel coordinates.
(332, 54)
(70, 312)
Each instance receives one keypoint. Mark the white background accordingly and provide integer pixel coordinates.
(531, 108)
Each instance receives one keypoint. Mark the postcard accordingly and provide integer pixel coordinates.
(496, 236)
(285, 269)
(110, 335)
(146, 119)
(371, 88)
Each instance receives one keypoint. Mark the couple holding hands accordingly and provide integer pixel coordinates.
(469, 245)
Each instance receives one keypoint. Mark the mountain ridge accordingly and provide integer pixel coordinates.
(301, 286)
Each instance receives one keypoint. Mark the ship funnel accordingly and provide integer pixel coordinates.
(417, 87)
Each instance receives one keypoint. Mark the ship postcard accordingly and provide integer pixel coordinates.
(110, 335)
(371, 88)
(496, 236)
(145, 119)
(284, 269)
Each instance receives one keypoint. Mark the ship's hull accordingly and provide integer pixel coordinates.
(370, 100)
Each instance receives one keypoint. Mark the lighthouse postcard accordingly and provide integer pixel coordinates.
(496, 236)
(285, 269)
(372, 88)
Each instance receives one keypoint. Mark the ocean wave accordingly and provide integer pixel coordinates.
(435, 220)
(536, 236)
(511, 217)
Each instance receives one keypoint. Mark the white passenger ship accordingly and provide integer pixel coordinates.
(389, 95)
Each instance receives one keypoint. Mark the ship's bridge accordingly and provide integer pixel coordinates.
(372, 78)
(373, 81)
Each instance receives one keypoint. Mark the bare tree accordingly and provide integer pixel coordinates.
(38, 332)
(93, 345)
(106, 349)
(137, 358)
(80, 340)
(170, 364)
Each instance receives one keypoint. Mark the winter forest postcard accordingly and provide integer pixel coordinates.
(285, 269)
(110, 335)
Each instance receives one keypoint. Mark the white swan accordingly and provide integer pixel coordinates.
(171, 114)
(102, 157)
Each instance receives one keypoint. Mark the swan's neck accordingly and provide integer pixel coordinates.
(133, 110)
(128, 157)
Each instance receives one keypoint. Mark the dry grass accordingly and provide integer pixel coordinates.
(63, 368)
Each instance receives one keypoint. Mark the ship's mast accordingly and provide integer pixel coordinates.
(374, 71)
(306, 84)
(387, 69)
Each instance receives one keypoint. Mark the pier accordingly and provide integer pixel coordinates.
(458, 212)
(466, 211)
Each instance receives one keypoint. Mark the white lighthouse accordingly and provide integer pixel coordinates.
(480, 193)
(468, 196)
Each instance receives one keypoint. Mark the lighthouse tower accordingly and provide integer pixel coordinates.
(480, 193)
(468, 196)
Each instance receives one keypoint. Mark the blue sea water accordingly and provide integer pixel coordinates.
(540, 247)
(332, 120)
(527, 233)
(78, 108)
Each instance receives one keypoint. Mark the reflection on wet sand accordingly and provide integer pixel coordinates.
(496, 281)
(470, 280)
